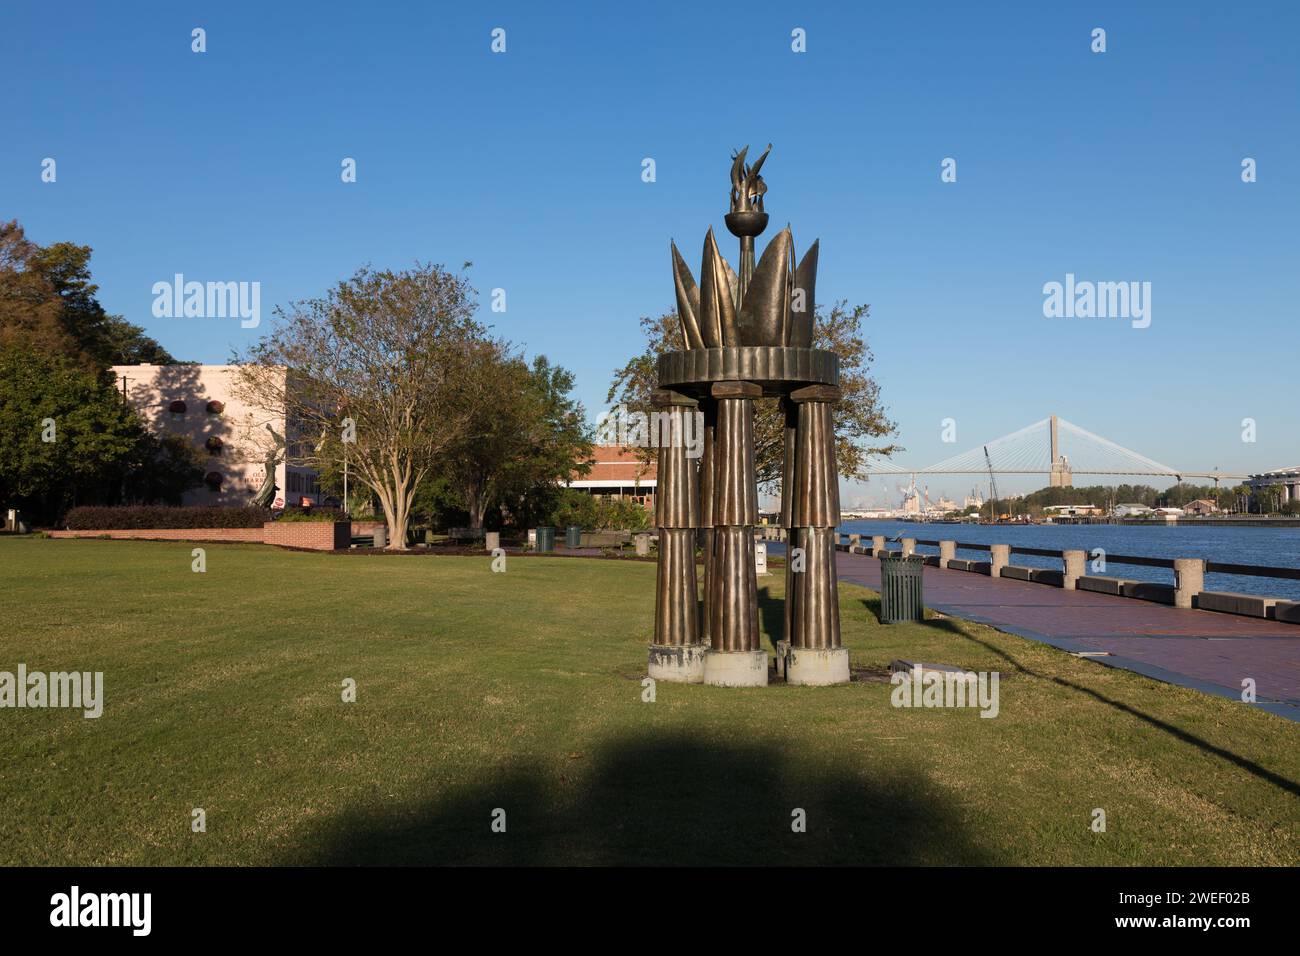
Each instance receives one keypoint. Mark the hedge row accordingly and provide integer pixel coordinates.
(133, 517)
(311, 514)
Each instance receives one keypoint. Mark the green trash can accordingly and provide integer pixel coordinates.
(545, 539)
(573, 536)
(900, 588)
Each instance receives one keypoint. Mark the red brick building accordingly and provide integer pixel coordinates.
(618, 472)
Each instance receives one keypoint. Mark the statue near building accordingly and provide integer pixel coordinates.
(265, 496)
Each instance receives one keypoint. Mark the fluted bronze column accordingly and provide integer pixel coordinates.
(676, 654)
(709, 408)
(735, 656)
(816, 655)
(791, 412)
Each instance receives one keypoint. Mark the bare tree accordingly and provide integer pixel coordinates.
(370, 372)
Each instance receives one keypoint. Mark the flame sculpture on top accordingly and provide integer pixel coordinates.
(771, 304)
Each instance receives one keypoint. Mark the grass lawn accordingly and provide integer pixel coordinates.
(522, 691)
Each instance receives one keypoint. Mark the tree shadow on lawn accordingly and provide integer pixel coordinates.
(670, 801)
(1262, 773)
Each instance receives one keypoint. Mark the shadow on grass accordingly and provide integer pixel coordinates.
(673, 801)
(873, 607)
(1262, 773)
(771, 610)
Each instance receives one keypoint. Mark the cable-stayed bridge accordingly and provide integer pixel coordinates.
(1052, 447)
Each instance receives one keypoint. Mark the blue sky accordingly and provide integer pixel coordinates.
(1120, 166)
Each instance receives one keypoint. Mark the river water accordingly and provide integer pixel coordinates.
(1277, 547)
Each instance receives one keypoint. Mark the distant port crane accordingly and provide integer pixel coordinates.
(993, 485)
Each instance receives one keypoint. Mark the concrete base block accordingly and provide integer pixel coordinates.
(1251, 605)
(735, 668)
(1047, 576)
(1101, 585)
(1017, 572)
(909, 667)
(959, 564)
(680, 664)
(980, 567)
(1147, 591)
(932, 560)
(1288, 611)
(817, 668)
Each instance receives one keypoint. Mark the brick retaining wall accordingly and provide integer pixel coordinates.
(313, 535)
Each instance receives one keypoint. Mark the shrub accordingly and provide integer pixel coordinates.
(312, 514)
(145, 517)
(575, 506)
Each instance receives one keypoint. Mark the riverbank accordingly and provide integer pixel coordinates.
(1271, 546)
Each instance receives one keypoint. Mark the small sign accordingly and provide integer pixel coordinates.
(760, 557)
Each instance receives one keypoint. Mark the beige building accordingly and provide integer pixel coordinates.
(234, 440)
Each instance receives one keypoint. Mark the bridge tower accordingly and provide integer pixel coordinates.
(1060, 476)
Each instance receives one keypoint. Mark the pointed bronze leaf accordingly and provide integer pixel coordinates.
(763, 313)
(688, 301)
(733, 282)
(717, 309)
(803, 300)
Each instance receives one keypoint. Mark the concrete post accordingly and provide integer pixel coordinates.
(877, 544)
(491, 540)
(909, 546)
(1000, 559)
(947, 552)
(1075, 562)
(642, 545)
(1189, 580)
(855, 542)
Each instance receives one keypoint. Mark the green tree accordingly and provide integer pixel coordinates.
(522, 429)
(65, 435)
(47, 302)
(389, 352)
(576, 506)
(861, 425)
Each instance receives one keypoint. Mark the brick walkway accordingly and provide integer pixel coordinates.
(1206, 650)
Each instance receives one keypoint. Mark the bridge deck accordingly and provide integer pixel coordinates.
(1206, 650)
